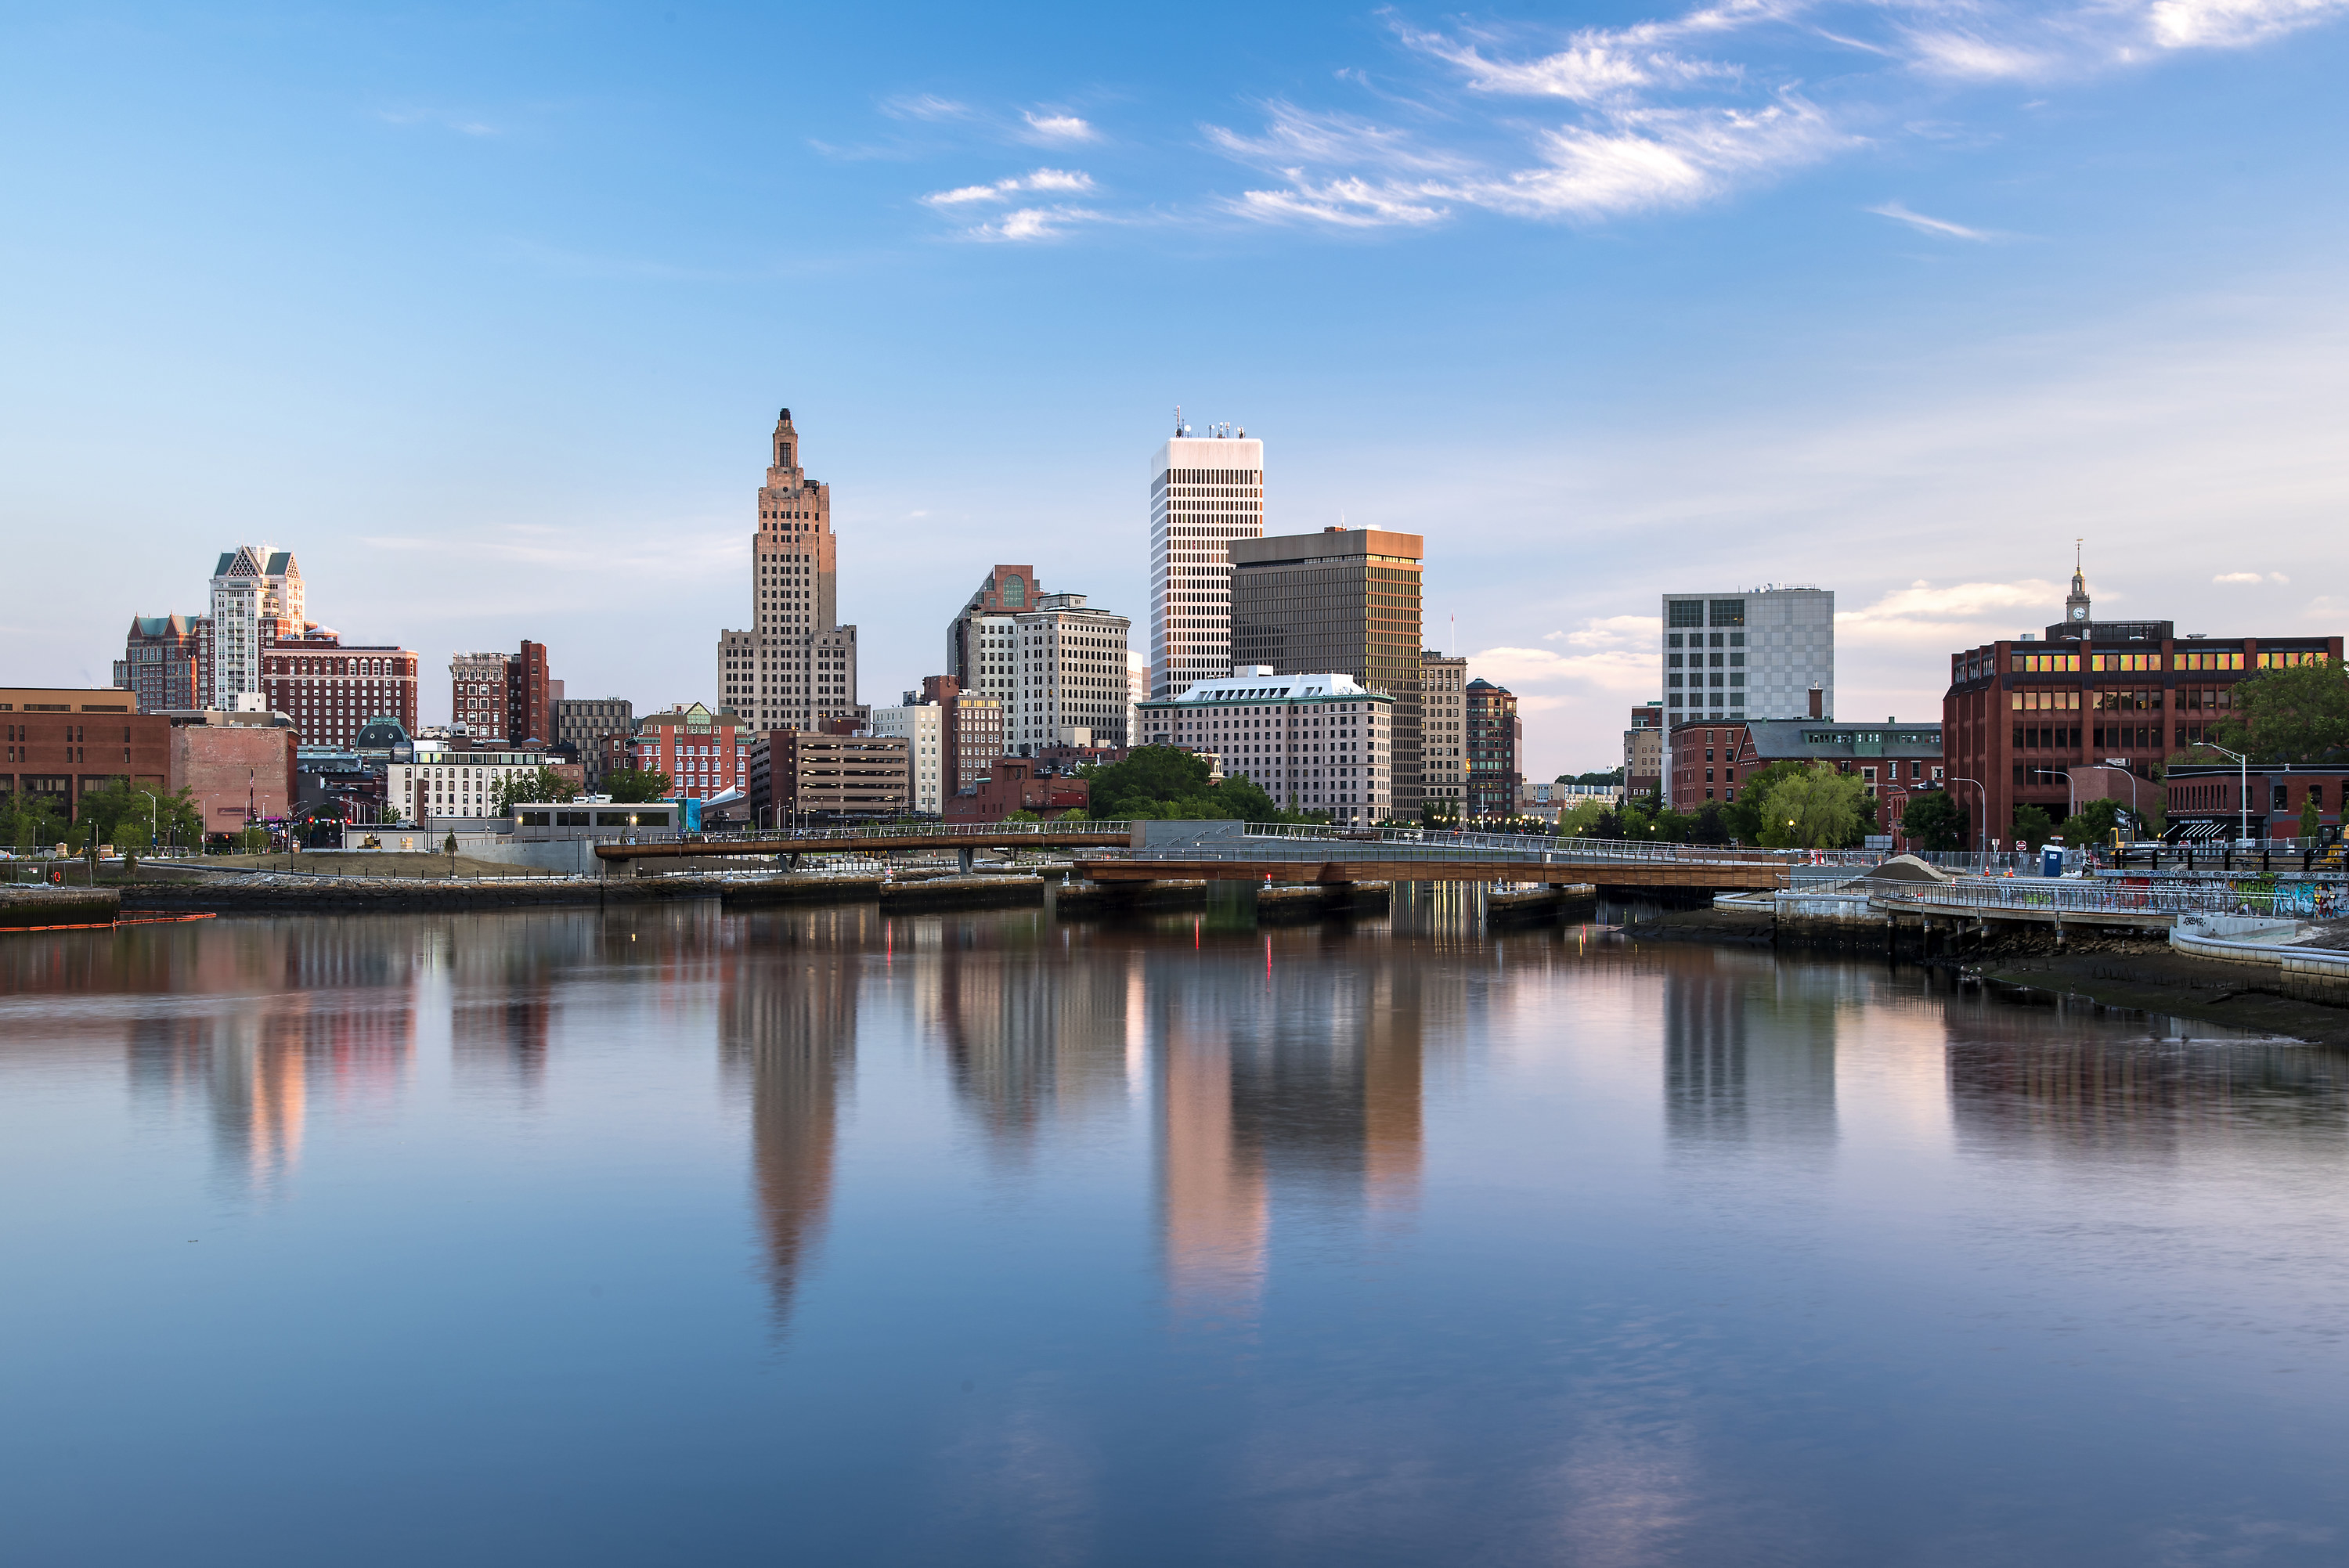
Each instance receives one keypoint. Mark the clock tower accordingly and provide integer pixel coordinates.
(2076, 604)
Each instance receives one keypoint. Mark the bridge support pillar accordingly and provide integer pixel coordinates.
(791, 863)
(964, 857)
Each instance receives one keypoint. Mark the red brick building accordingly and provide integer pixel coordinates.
(61, 744)
(1012, 784)
(2021, 715)
(239, 767)
(2204, 801)
(704, 753)
(330, 691)
(1892, 760)
(162, 663)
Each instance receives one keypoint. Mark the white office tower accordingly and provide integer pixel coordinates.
(1204, 491)
(256, 598)
(1754, 655)
(923, 726)
(796, 665)
(1067, 674)
(1137, 691)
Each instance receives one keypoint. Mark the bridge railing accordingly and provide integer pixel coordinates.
(2049, 894)
(983, 832)
(1448, 843)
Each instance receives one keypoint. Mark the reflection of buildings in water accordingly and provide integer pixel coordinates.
(1029, 1033)
(1749, 1051)
(2040, 1083)
(1301, 1083)
(338, 1020)
(788, 1023)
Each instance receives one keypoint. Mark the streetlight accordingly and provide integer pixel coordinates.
(1983, 833)
(154, 809)
(2242, 782)
(2110, 766)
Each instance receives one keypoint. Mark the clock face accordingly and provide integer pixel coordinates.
(2079, 614)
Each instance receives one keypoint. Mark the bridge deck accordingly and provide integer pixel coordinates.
(700, 848)
(1604, 873)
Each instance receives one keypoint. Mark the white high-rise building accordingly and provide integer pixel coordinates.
(1137, 691)
(1068, 663)
(256, 598)
(923, 726)
(796, 666)
(1754, 655)
(1204, 492)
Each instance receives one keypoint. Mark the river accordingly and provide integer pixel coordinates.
(668, 1236)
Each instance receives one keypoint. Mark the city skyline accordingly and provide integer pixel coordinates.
(1946, 293)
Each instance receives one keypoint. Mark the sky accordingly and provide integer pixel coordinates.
(486, 312)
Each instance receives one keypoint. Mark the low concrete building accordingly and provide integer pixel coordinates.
(443, 781)
(1313, 742)
(921, 725)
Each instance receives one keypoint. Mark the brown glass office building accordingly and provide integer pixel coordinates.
(1346, 601)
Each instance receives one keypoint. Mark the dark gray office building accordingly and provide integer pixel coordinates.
(584, 721)
(1345, 601)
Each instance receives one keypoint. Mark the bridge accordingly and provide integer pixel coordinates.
(1283, 853)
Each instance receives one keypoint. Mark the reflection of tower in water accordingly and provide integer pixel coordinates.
(788, 1022)
(1749, 1051)
(1296, 1085)
(1029, 1034)
(305, 1010)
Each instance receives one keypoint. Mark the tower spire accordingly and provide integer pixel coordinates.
(2076, 604)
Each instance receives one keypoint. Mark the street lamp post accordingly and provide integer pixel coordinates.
(2242, 782)
(2114, 767)
(1983, 795)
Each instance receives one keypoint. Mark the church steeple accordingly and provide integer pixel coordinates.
(2076, 604)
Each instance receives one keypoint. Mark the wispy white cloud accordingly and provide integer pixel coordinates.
(2249, 577)
(1035, 224)
(924, 106)
(1918, 220)
(1058, 127)
(439, 119)
(1060, 179)
(2233, 24)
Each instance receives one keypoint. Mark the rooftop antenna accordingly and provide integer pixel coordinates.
(1178, 418)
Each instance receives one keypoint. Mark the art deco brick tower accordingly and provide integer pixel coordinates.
(796, 666)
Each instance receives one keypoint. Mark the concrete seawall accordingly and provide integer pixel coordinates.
(29, 908)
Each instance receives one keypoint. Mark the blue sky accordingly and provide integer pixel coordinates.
(486, 312)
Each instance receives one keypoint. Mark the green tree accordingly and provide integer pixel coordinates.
(1021, 816)
(1935, 821)
(634, 785)
(1165, 782)
(2093, 823)
(1743, 815)
(29, 822)
(1614, 775)
(2033, 827)
(2312, 819)
(2299, 714)
(1583, 820)
(1440, 813)
(253, 841)
(1819, 807)
(528, 786)
(110, 812)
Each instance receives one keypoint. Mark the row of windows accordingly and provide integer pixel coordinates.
(1692, 611)
(1719, 639)
(1736, 678)
(1975, 668)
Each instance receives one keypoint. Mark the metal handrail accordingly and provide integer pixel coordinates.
(2090, 898)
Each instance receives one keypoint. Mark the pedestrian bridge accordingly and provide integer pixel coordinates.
(1279, 853)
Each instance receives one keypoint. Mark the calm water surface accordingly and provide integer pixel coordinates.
(676, 1237)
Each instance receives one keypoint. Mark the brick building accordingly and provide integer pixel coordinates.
(1893, 760)
(239, 767)
(1494, 737)
(1014, 784)
(830, 776)
(503, 697)
(2205, 802)
(162, 663)
(972, 730)
(62, 743)
(330, 691)
(704, 754)
(2020, 717)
